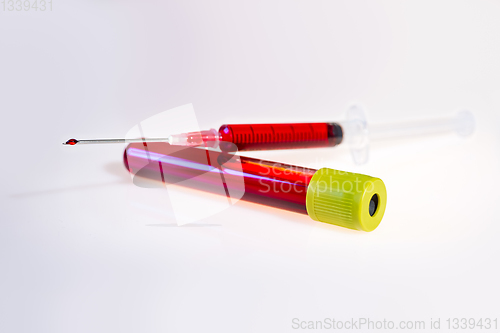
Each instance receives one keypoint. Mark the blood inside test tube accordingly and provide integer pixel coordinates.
(274, 184)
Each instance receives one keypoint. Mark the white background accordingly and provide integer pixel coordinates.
(75, 256)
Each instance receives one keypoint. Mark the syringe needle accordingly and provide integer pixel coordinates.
(72, 142)
(200, 138)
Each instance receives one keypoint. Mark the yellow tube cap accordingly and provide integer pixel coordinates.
(346, 199)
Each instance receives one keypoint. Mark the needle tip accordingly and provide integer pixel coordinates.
(71, 142)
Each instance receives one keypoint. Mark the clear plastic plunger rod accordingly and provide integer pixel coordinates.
(462, 124)
(358, 134)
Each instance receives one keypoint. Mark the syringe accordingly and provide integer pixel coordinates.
(354, 130)
(247, 137)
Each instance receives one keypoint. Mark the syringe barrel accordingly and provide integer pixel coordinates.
(347, 199)
(279, 136)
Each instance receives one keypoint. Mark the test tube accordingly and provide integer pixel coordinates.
(345, 199)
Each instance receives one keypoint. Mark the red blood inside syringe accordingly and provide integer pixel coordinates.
(265, 136)
(270, 183)
(280, 136)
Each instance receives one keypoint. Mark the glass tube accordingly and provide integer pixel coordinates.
(271, 183)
